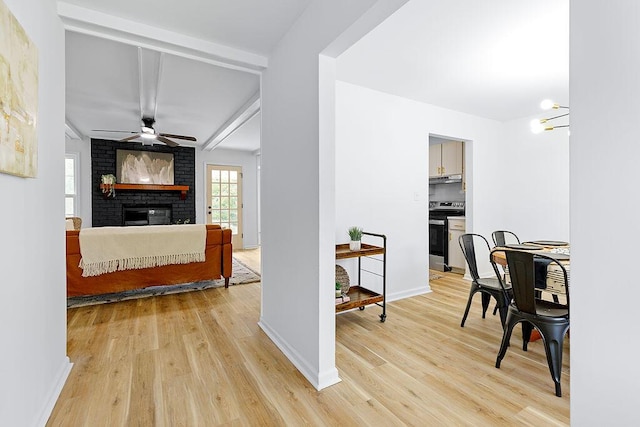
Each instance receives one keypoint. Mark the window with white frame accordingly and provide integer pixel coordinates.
(70, 185)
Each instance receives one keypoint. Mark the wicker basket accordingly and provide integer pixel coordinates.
(77, 222)
(343, 279)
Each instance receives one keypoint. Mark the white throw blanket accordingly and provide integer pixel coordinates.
(108, 249)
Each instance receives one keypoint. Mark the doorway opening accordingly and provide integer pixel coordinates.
(447, 203)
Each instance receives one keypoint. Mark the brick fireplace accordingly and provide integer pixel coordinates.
(110, 211)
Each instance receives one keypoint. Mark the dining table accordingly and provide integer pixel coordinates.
(557, 250)
(554, 280)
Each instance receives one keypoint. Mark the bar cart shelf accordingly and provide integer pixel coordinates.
(359, 296)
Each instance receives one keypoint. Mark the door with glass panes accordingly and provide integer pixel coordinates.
(224, 199)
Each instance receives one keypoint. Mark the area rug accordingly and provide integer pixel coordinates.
(242, 275)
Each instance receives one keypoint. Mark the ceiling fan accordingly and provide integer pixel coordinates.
(148, 133)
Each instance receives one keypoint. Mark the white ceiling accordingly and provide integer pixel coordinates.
(251, 25)
(193, 98)
(495, 59)
(206, 79)
(492, 58)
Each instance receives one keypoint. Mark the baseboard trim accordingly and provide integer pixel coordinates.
(409, 293)
(250, 247)
(318, 380)
(58, 384)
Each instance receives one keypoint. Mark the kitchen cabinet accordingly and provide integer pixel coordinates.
(446, 159)
(457, 228)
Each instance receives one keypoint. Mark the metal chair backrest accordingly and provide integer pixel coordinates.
(522, 274)
(503, 237)
(467, 245)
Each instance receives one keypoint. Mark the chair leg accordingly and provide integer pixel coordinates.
(506, 337)
(486, 299)
(466, 311)
(553, 337)
(527, 328)
(503, 315)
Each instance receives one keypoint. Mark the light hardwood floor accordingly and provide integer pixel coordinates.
(199, 358)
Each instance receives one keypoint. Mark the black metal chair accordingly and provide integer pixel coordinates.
(487, 286)
(551, 319)
(504, 237)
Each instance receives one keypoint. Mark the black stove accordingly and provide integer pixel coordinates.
(445, 209)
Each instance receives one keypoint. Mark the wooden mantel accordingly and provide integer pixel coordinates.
(150, 187)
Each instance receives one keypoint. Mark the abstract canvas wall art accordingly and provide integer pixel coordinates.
(18, 98)
(144, 167)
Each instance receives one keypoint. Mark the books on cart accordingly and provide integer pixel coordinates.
(342, 299)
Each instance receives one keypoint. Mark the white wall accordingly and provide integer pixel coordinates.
(249, 163)
(535, 174)
(297, 211)
(605, 106)
(83, 150)
(33, 362)
(382, 176)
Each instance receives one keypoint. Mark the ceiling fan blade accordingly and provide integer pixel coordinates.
(116, 131)
(130, 138)
(169, 135)
(169, 142)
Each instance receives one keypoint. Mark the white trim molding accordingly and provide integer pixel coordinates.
(235, 122)
(99, 24)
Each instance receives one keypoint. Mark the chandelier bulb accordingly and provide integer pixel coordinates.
(548, 104)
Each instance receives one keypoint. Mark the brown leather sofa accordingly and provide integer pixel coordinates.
(217, 264)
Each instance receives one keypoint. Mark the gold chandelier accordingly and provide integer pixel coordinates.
(541, 125)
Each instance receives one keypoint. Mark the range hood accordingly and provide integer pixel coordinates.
(450, 179)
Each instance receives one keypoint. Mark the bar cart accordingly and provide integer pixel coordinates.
(359, 296)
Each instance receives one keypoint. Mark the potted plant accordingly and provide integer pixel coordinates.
(108, 185)
(355, 233)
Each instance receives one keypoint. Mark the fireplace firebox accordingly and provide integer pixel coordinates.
(146, 215)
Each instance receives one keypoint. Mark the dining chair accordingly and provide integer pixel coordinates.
(504, 237)
(487, 286)
(551, 319)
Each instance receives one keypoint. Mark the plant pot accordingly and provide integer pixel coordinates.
(354, 245)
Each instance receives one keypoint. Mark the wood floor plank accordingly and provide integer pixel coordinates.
(200, 358)
(146, 392)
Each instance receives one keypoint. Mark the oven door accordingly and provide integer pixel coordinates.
(437, 236)
(437, 244)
